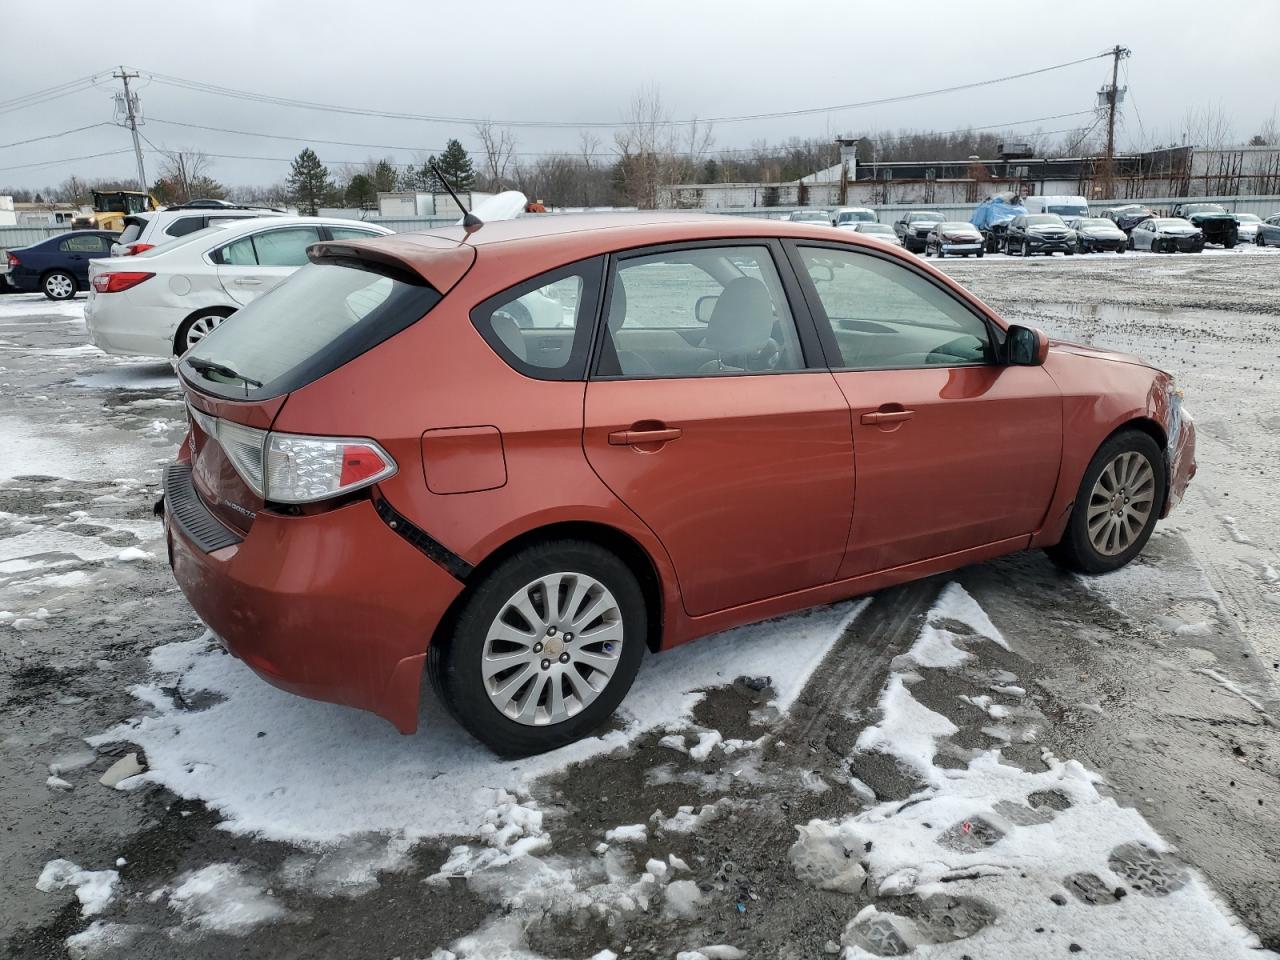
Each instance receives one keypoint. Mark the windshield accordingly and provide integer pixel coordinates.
(874, 228)
(820, 215)
(1204, 208)
(847, 215)
(323, 316)
(1096, 222)
(120, 202)
(1248, 218)
(1169, 222)
(957, 225)
(1067, 209)
(1045, 219)
(917, 217)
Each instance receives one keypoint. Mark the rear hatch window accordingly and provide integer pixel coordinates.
(324, 316)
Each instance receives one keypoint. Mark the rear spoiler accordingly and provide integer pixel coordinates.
(414, 258)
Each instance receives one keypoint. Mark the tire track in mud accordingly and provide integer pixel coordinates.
(855, 668)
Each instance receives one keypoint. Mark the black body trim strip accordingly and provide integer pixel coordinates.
(418, 538)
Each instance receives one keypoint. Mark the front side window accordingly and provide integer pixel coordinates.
(699, 312)
(542, 327)
(884, 315)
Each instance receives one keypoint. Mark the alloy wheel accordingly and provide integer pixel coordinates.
(552, 649)
(200, 328)
(1121, 503)
(60, 286)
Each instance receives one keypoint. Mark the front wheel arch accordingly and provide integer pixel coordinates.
(610, 538)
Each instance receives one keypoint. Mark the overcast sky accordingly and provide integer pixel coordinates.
(564, 60)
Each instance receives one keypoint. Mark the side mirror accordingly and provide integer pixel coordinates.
(1025, 347)
(703, 307)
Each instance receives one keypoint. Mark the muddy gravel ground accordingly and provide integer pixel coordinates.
(1134, 713)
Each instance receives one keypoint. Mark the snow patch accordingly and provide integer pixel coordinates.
(94, 888)
(221, 898)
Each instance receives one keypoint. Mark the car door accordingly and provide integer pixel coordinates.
(76, 251)
(1141, 235)
(728, 437)
(256, 263)
(952, 449)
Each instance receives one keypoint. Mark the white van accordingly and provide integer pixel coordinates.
(1066, 207)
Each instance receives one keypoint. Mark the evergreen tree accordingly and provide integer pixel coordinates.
(455, 165)
(383, 177)
(361, 193)
(309, 182)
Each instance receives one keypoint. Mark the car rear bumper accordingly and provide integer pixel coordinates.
(333, 606)
(973, 247)
(121, 326)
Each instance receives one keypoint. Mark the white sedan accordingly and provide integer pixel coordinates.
(161, 302)
(1166, 235)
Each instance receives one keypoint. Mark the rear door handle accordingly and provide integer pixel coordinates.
(248, 281)
(888, 416)
(622, 438)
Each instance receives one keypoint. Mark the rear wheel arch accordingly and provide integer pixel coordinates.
(179, 335)
(622, 545)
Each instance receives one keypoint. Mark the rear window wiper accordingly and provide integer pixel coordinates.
(221, 369)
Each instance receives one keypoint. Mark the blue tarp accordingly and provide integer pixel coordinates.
(995, 210)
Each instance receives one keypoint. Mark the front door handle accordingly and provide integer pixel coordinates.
(888, 416)
(625, 438)
(248, 281)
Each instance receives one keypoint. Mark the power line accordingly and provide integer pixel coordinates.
(552, 153)
(49, 93)
(201, 87)
(51, 163)
(54, 136)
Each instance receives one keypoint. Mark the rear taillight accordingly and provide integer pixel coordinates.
(117, 282)
(14, 261)
(290, 468)
(134, 249)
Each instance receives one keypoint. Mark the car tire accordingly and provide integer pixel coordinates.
(1108, 527)
(456, 660)
(981, 253)
(1026, 249)
(1261, 241)
(197, 326)
(940, 253)
(59, 285)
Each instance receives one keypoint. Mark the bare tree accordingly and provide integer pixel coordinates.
(499, 147)
(183, 171)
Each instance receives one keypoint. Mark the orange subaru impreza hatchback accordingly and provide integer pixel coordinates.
(516, 457)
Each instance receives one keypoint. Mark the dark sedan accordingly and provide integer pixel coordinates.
(59, 266)
(1039, 233)
(1128, 216)
(1269, 232)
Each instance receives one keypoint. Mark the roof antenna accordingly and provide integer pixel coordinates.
(469, 220)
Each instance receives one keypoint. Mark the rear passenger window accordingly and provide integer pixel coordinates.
(285, 248)
(542, 328)
(184, 225)
(701, 312)
(86, 243)
(884, 315)
(351, 233)
(238, 254)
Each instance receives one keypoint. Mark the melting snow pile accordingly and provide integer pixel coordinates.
(94, 888)
(313, 773)
(994, 861)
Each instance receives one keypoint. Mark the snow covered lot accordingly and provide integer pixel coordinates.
(1006, 762)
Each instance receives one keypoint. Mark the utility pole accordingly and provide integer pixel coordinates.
(1111, 96)
(848, 165)
(131, 114)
